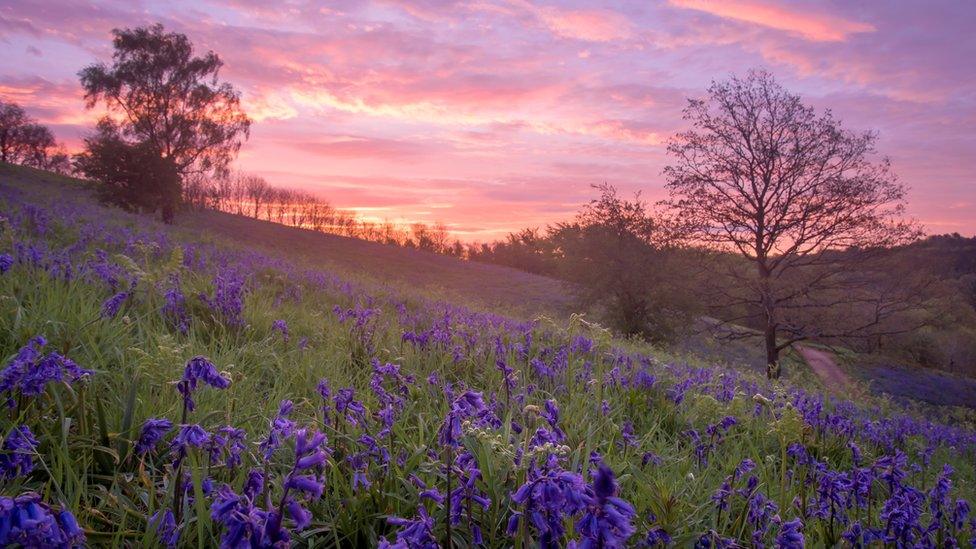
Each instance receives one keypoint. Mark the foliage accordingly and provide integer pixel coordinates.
(133, 176)
(168, 117)
(165, 96)
(24, 141)
(625, 263)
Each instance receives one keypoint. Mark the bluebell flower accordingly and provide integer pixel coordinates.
(627, 435)
(651, 457)
(190, 435)
(348, 407)
(281, 327)
(657, 536)
(164, 524)
(959, 514)
(27, 521)
(280, 429)
(29, 371)
(548, 496)
(226, 446)
(198, 370)
(228, 298)
(18, 449)
(469, 405)
(151, 433)
(6, 261)
(607, 520)
(111, 306)
(789, 536)
(853, 535)
(174, 308)
(416, 533)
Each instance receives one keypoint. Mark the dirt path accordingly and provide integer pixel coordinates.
(823, 364)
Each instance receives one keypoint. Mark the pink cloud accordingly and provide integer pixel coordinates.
(588, 25)
(488, 115)
(818, 27)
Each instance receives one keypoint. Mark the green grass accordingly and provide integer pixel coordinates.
(85, 460)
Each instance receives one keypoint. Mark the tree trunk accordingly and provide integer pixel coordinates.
(772, 352)
(769, 309)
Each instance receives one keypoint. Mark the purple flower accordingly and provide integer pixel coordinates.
(627, 435)
(651, 457)
(417, 533)
(467, 494)
(199, 369)
(281, 428)
(470, 404)
(228, 298)
(111, 306)
(282, 327)
(164, 524)
(548, 497)
(960, 513)
(607, 520)
(29, 372)
(657, 536)
(300, 515)
(18, 447)
(27, 521)
(242, 520)
(190, 436)
(348, 407)
(226, 446)
(174, 308)
(789, 536)
(853, 535)
(151, 433)
(6, 261)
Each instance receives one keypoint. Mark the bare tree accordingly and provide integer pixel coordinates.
(764, 176)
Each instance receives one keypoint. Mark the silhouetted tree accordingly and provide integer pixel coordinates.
(764, 176)
(623, 262)
(133, 176)
(24, 141)
(164, 97)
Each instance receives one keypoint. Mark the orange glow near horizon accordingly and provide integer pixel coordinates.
(493, 115)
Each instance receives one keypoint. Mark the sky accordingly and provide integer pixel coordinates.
(494, 115)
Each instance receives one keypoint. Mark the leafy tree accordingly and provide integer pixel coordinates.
(764, 176)
(24, 141)
(12, 119)
(133, 176)
(625, 263)
(159, 94)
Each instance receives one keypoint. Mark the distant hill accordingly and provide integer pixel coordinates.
(493, 287)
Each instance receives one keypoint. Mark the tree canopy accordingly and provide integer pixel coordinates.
(763, 175)
(168, 117)
(24, 141)
(158, 92)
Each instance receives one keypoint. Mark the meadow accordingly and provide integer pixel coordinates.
(166, 388)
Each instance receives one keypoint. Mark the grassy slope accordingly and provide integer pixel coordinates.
(137, 353)
(496, 287)
(407, 270)
(500, 289)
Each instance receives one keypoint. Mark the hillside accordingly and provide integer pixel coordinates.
(409, 270)
(171, 389)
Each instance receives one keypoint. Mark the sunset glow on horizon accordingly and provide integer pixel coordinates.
(495, 115)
